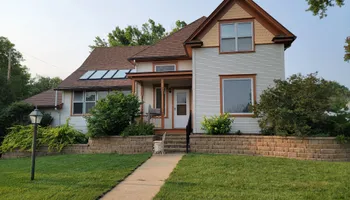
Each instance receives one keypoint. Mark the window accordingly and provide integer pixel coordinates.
(121, 73)
(84, 101)
(165, 68)
(87, 75)
(98, 74)
(238, 94)
(158, 99)
(78, 103)
(236, 37)
(110, 74)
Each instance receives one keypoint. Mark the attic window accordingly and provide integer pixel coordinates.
(110, 74)
(236, 37)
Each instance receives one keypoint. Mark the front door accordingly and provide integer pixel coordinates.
(181, 108)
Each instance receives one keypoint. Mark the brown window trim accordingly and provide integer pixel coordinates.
(231, 76)
(166, 89)
(229, 21)
(165, 63)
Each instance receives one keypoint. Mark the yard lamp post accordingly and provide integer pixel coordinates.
(35, 117)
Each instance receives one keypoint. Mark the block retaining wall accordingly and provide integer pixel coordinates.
(112, 144)
(310, 148)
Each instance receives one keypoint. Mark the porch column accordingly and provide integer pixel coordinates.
(132, 86)
(162, 101)
(142, 105)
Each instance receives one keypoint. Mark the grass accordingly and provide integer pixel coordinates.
(199, 176)
(65, 176)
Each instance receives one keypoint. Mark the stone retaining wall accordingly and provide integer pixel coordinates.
(112, 144)
(122, 145)
(312, 148)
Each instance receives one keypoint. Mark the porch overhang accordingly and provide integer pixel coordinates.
(139, 76)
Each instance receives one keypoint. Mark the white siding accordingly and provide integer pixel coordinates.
(78, 122)
(54, 114)
(267, 62)
(148, 66)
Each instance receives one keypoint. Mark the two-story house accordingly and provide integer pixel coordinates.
(217, 64)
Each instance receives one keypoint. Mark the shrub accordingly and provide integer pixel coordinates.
(217, 125)
(46, 120)
(140, 128)
(113, 114)
(59, 137)
(21, 137)
(304, 106)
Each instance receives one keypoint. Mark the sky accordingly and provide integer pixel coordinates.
(54, 36)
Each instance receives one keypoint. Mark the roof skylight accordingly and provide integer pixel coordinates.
(110, 74)
(105, 74)
(98, 74)
(121, 73)
(87, 75)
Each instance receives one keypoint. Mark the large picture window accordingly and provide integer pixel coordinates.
(237, 94)
(236, 37)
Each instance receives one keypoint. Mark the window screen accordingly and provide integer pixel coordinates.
(237, 95)
(165, 68)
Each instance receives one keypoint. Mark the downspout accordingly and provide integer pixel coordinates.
(58, 112)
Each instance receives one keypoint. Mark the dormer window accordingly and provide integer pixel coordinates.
(236, 37)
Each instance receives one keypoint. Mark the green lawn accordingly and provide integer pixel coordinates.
(243, 177)
(65, 176)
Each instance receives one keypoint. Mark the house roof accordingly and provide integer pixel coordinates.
(171, 47)
(46, 99)
(102, 58)
(282, 34)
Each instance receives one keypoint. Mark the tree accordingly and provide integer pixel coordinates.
(319, 7)
(304, 106)
(40, 84)
(149, 34)
(113, 114)
(347, 49)
(17, 88)
(179, 25)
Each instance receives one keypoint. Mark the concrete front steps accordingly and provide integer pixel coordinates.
(175, 143)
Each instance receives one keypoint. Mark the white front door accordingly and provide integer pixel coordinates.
(181, 108)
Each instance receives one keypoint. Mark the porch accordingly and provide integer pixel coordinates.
(171, 111)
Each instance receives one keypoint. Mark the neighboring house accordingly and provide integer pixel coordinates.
(216, 64)
(45, 102)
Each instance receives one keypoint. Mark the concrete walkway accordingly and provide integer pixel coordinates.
(146, 181)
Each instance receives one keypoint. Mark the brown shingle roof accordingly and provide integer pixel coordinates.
(102, 58)
(45, 99)
(171, 46)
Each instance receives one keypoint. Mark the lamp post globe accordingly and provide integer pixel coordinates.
(35, 118)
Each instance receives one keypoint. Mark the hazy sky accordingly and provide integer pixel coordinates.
(53, 36)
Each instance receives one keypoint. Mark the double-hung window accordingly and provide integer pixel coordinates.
(158, 99)
(165, 68)
(84, 101)
(236, 37)
(238, 94)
